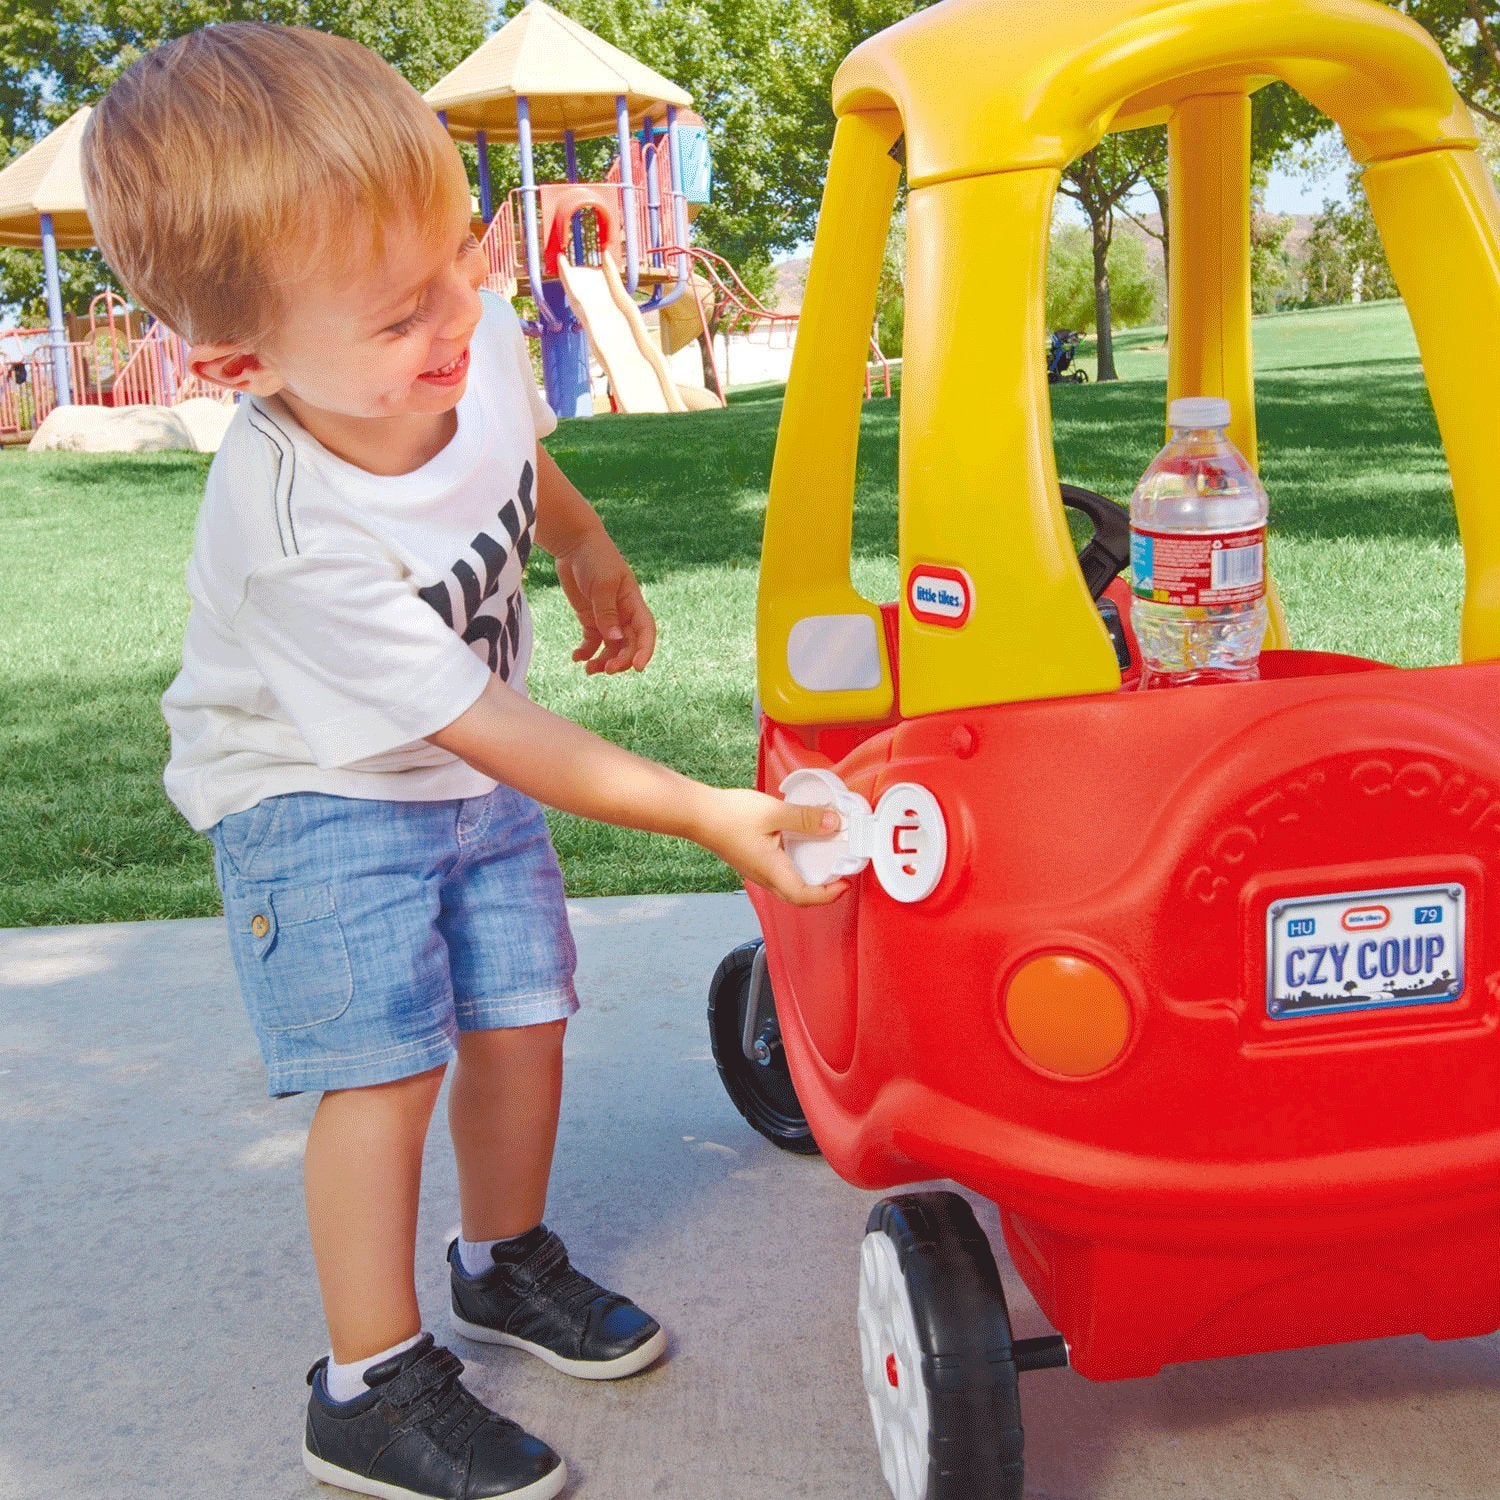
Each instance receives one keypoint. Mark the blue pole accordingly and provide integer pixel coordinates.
(528, 213)
(679, 177)
(570, 150)
(60, 381)
(486, 197)
(627, 192)
(653, 190)
(679, 213)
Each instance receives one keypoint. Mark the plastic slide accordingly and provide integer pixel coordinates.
(637, 370)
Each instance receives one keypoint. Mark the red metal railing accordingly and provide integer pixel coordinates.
(504, 242)
(109, 368)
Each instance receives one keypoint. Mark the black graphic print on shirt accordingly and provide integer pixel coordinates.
(502, 635)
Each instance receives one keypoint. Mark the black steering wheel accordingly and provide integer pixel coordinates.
(1104, 558)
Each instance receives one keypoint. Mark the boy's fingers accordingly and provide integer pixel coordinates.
(646, 637)
(790, 886)
(607, 614)
(797, 817)
(591, 642)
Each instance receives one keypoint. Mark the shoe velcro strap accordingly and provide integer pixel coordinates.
(435, 1368)
(550, 1256)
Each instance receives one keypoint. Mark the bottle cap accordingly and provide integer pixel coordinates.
(1192, 412)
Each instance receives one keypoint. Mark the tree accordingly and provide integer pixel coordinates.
(1270, 264)
(1098, 182)
(1468, 31)
(890, 297)
(1344, 259)
(1136, 290)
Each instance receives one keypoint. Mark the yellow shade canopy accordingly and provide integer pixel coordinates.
(48, 179)
(570, 77)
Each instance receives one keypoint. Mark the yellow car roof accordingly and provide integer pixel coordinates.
(983, 87)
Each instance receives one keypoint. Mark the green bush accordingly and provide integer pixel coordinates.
(1136, 293)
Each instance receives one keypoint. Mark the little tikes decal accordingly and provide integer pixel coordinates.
(940, 596)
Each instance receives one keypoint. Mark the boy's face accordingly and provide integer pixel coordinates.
(390, 339)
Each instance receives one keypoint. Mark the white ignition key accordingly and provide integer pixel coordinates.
(905, 837)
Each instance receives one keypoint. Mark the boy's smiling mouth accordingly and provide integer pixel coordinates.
(450, 373)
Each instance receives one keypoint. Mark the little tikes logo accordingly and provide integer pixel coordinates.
(1365, 918)
(940, 596)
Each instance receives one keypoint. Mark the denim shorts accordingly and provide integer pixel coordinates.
(368, 934)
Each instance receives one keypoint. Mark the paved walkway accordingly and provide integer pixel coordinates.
(157, 1300)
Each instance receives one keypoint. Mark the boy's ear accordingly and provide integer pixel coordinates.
(234, 367)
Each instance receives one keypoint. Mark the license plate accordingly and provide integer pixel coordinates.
(1365, 950)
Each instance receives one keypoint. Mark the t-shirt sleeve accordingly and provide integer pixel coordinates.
(512, 338)
(359, 663)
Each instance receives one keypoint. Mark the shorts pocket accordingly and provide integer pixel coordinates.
(240, 837)
(295, 954)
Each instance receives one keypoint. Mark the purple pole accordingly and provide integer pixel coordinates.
(61, 384)
(528, 213)
(486, 195)
(627, 192)
(653, 189)
(570, 150)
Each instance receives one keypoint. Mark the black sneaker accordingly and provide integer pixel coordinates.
(418, 1434)
(536, 1301)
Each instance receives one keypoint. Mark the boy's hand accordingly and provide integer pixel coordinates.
(618, 629)
(744, 829)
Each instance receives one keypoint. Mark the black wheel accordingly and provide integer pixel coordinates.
(760, 1085)
(935, 1346)
(1083, 377)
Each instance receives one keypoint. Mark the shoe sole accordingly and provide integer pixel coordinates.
(544, 1488)
(581, 1369)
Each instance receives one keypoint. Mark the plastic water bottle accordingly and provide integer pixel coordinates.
(1198, 554)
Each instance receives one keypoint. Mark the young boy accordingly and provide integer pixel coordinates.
(350, 726)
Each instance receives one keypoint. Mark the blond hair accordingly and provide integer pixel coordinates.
(221, 167)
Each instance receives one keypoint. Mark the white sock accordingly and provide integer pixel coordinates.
(345, 1382)
(477, 1256)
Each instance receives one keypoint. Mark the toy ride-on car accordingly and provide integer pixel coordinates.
(1200, 986)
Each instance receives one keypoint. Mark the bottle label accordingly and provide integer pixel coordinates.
(1199, 567)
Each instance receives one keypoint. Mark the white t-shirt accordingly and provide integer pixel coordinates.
(337, 617)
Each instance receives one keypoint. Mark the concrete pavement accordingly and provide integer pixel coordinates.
(159, 1308)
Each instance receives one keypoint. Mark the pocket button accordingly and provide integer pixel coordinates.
(259, 927)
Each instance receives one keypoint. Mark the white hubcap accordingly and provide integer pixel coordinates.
(892, 1364)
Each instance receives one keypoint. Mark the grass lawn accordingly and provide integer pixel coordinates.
(1364, 547)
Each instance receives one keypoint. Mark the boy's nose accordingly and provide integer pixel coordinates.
(463, 315)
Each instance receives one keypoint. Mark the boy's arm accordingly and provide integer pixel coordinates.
(618, 630)
(516, 741)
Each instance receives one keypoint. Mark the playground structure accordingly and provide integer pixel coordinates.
(109, 361)
(1200, 987)
(107, 357)
(544, 78)
(581, 251)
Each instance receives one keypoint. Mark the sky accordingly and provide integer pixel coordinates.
(1286, 193)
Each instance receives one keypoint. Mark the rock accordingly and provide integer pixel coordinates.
(105, 429)
(206, 421)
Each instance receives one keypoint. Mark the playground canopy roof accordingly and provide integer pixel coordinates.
(570, 77)
(48, 179)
